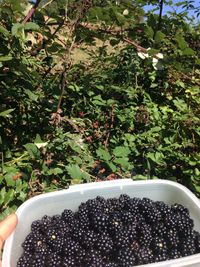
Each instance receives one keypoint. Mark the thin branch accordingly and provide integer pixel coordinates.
(31, 11)
(161, 4)
(112, 116)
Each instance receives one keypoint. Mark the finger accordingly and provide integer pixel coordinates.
(6, 227)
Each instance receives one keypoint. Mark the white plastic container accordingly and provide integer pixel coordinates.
(56, 202)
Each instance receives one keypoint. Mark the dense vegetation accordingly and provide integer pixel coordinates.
(95, 90)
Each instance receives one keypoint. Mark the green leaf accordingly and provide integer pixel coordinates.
(4, 31)
(31, 26)
(121, 151)
(2, 195)
(6, 58)
(74, 171)
(188, 52)
(9, 196)
(32, 150)
(159, 36)
(124, 162)
(6, 112)
(17, 29)
(149, 31)
(31, 95)
(181, 41)
(156, 157)
(180, 104)
(55, 171)
(103, 154)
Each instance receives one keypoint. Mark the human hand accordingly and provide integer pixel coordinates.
(6, 228)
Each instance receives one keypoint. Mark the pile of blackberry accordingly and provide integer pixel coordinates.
(114, 232)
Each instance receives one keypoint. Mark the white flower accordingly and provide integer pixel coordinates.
(39, 145)
(80, 142)
(157, 65)
(143, 55)
(125, 12)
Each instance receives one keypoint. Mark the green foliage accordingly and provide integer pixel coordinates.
(81, 102)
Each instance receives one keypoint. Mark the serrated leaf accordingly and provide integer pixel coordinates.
(17, 29)
(181, 41)
(149, 31)
(9, 196)
(6, 112)
(74, 171)
(31, 95)
(159, 36)
(55, 171)
(32, 150)
(31, 26)
(188, 52)
(121, 151)
(4, 31)
(103, 154)
(6, 58)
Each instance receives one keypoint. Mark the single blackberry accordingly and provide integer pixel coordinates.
(197, 241)
(71, 247)
(83, 222)
(46, 223)
(53, 260)
(123, 201)
(132, 206)
(104, 243)
(144, 255)
(144, 234)
(99, 222)
(113, 204)
(38, 261)
(25, 260)
(172, 239)
(170, 221)
(88, 239)
(159, 245)
(115, 223)
(54, 239)
(67, 215)
(135, 246)
(175, 254)
(159, 229)
(150, 213)
(127, 217)
(93, 257)
(131, 231)
(187, 246)
(180, 209)
(126, 258)
(28, 244)
(163, 208)
(184, 224)
(67, 219)
(94, 206)
(147, 201)
(101, 200)
(96, 262)
(69, 262)
(80, 257)
(36, 226)
(162, 256)
(111, 264)
(121, 239)
(77, 232)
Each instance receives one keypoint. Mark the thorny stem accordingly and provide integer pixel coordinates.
(161, 4)
(31, 11)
